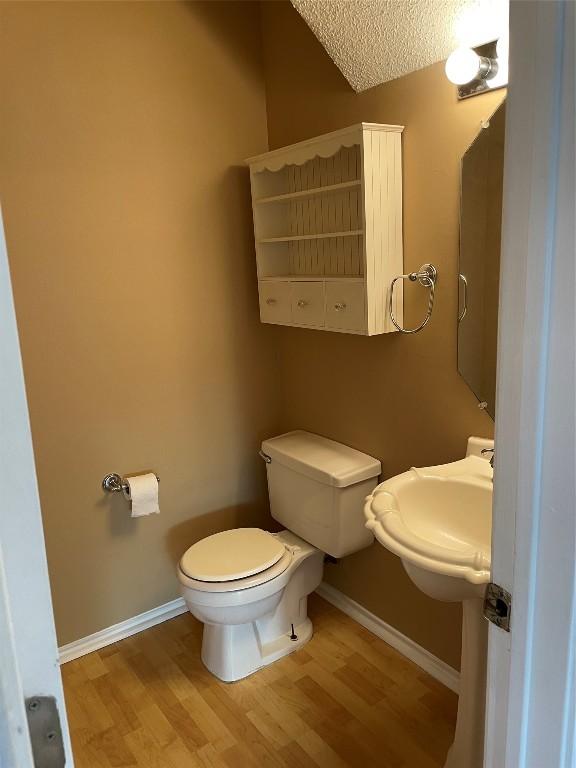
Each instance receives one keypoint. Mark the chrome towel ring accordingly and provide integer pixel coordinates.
(426, 276)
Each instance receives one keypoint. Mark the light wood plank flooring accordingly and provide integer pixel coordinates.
(345, 699)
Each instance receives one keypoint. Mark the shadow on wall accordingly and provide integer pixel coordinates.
(183, 535)
(223, 28)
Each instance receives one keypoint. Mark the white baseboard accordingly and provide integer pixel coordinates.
(420, 656)
(438, 669)
(122, 630)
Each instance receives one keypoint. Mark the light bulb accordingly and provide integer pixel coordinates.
(462, 66)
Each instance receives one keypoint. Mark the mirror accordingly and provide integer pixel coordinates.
(479, 263)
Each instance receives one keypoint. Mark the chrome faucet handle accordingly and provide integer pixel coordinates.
(489, 450)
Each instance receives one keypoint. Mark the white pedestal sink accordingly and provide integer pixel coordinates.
(439, 521)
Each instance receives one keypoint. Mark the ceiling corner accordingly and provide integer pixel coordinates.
(374, 41)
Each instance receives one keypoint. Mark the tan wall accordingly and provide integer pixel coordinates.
(397, 397)
(129, 232)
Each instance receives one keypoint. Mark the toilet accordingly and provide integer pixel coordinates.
(250, 587)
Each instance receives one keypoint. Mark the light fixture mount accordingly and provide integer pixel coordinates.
(492, 72)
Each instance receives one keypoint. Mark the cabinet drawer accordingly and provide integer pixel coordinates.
(345, 306)
(308, 303)
(275, 301)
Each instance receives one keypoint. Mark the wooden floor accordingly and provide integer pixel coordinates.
(345, 699)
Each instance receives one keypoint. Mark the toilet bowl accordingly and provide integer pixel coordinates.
(250, 587)
(251, 621)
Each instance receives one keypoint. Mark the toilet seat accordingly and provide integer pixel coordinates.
(237, 585)
(234, 560)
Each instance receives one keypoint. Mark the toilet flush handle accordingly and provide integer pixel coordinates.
(265, 456)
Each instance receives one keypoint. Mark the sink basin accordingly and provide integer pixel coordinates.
(438, 520)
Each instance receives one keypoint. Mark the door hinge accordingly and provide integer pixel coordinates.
(498, 606)
(45, 732)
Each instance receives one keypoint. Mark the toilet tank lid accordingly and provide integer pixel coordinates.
(322, 459)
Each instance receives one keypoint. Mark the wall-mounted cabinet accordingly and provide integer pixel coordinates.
(328, 230)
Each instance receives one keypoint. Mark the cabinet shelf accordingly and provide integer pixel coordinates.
(346, 188)
(321, 236)
(314, 192)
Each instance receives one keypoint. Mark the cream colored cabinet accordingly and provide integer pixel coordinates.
(328, 229)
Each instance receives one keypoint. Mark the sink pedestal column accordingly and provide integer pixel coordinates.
(467, 751)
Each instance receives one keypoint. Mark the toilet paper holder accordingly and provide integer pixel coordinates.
(113, 483)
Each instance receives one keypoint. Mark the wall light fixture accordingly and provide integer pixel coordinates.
(479, 69)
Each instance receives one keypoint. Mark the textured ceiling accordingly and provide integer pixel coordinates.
(373, 41)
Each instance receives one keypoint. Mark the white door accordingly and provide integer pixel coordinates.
(28, 651)
(531, 716)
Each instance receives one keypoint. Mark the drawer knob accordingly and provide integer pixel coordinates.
(339, 306)
(271, 302)
(302, 303)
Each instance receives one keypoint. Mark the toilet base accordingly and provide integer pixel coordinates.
(247, 629)
(233, 652)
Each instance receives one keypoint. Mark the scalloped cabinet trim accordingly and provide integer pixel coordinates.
(328, 230)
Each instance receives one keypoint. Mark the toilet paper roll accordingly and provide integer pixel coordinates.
(143, 493)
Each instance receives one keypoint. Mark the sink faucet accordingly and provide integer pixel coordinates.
(489, 450)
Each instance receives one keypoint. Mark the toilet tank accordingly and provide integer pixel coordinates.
(317, 489)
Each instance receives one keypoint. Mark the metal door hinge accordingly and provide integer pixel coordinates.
(498, 606)
(45, 732)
